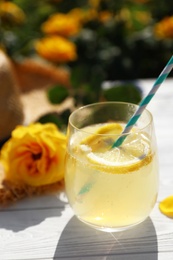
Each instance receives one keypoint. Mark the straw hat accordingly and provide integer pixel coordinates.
(11, 109)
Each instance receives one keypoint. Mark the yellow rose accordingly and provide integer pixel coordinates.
(56, 49)
(61, 24)
(11, 13)
(164, 28)
(94, 3)
(105, 16)
(34, 155)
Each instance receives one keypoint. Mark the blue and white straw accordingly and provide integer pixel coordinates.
(163, 75)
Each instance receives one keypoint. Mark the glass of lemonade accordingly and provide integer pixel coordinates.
(111, 189)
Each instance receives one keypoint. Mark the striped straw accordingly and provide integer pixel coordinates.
(163, 75)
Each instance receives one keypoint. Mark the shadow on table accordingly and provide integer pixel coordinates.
(31, 212)
(78, 241)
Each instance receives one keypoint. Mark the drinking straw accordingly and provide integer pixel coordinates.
(163, 75)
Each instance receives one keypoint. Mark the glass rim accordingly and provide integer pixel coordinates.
(139, 129)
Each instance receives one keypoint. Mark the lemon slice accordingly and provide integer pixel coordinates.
(133, 154)
(98, 141)
(166, 206)
(105, 164)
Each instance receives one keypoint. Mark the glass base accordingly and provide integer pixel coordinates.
(112, 229)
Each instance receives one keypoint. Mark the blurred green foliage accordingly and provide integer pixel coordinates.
(122, 48)
(117, 49)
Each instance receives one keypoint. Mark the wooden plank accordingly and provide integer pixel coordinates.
(32, 233)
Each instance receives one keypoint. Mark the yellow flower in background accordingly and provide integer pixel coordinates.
(164, 28)
(11, 13)
(79, 14)
(89, 15)
(134, 19)
(144, 17)
(34, 155)
(56, 49)
(105, 16)
(61, 24)
(94, 3)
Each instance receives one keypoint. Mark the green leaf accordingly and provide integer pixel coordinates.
(59, 119)
(79, 75)
(57, 94)
(125, 93)
(51, 118)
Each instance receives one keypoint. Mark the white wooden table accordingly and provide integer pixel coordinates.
(45, 228)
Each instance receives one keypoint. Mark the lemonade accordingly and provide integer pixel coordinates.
(111, 188)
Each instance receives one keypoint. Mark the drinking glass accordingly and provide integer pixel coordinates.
(111, 188)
